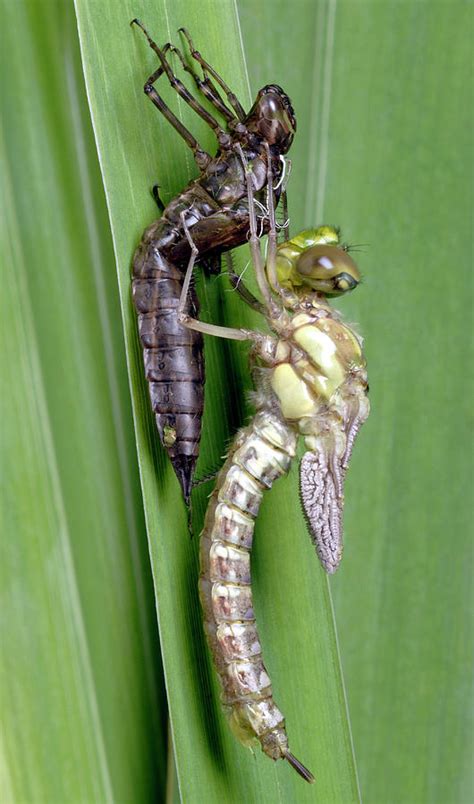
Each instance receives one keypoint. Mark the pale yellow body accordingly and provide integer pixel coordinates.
(313, 383)
(316, 358)
(261, 454)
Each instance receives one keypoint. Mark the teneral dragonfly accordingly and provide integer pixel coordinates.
(311, 381)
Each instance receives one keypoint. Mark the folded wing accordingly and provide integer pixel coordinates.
(322, 471)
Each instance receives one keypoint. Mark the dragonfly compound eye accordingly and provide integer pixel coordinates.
(328, 269)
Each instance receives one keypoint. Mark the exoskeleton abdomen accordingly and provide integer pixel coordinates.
(172, 354)
(210, 216)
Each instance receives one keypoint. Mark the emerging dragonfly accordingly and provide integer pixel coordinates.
(311, 380)
(214, 208)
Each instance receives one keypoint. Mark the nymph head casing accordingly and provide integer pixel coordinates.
(272, 118)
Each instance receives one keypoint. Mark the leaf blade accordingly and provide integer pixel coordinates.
(76, 599)
(208, 761)
(383, 136)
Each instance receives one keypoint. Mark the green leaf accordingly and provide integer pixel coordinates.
(138, 148)
(382, 96)
(82, 698)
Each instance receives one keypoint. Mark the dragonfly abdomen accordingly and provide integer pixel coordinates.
(262, 453)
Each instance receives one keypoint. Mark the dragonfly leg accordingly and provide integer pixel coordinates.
(208, 70)
(272, 232)
(222, 136)
(238, 284)
(184, 316)
(270, 304)
(286, 220)
(283, 183)
(286, 295)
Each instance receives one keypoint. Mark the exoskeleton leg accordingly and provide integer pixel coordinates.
(155, 191)
(210, 91)
(184, 316)
(208, 70)
(200, 155)
(222, 136)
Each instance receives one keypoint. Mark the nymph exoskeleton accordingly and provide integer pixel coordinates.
(311, 380)
(214, 209)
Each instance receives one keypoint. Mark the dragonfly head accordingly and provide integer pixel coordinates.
(328, 269)
(272, 118)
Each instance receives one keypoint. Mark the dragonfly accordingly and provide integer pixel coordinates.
(311, 382)
(214, 209)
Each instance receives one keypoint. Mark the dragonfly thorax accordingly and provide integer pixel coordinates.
(312, 363)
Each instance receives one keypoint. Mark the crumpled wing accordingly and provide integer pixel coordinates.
(322, 474)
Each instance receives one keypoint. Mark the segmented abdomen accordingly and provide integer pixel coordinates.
(216, 212)
(172, 354)
(261, 453)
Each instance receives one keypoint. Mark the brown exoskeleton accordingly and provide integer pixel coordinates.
(214, 209)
